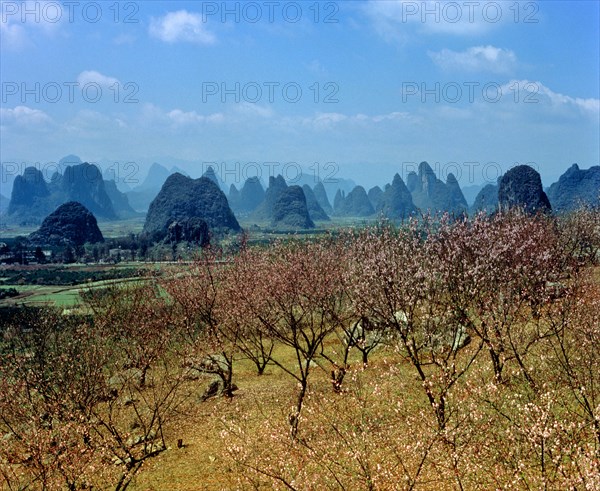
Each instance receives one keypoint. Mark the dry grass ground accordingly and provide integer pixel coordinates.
(203, 462)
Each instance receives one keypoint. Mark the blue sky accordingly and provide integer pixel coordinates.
(472, 88)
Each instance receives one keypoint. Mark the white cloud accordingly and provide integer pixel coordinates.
(153, 116)
(181, 26)
(391, 18)
(476, 59)
(529, 92)
(24, 116)
(92, 76)
(393, 116)
(179, 117)
(12, 36)
(253, 109)
(20, 19)
(329, 120)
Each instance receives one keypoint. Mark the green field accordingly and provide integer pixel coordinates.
(53, 284)
(60, 285)
(58, 296)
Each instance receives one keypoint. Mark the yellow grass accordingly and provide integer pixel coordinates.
(202, 464)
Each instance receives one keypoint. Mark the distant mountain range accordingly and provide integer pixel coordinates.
(282, 204)
(286, 206)
(423, 191)
(574, 188)
(32, 198)
(141, 196)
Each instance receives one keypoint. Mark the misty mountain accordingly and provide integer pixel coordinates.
(486, 200)
(212, 175)
(141, 196)
(110, 174)
(290, 210)
(574, 188)
(156, 177)
(456, 200)
(375, 195)
(284, 207)
(119, 200)
(430, 194)
(233, 198)
(355, 204)
(266, 209)
(470, 192)
(248, 198)
(321, 197)
(84, 184)
(331, 183)
(396, 201)
(315, 210)
(32, 198)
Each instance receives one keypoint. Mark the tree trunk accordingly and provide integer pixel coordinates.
(295, 417)
(337, 377)
(497, 364)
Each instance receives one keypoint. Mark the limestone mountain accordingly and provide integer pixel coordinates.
(396, 201)
(234, 198)
(84, 183)
(251, 196)
(33, 198)
(156, 177)
(412, 181)
(70, 160)
(338, 201)
(355, 204)
(193, 230)
(119, 200)
(456, 200)
(30, 199)
(574, 188)
(315, 210)
(265, 211)
(122, 179)
(471, 191)
(212, 175)
(322, 199)
(290, 210)
(521, 187)
(430, 194)
(141, 196)
(182, 198)
(375, 195)
(328, 177)
(70, 224)
(486, 200)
